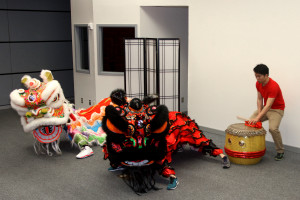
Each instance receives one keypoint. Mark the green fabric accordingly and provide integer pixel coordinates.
(80, 140)
(145, 141)
(133, 141)
(101, 139)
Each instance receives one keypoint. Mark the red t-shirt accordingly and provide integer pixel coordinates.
(271, 90)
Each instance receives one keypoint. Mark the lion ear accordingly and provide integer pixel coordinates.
(25, 80)
(46, 75)
(113, 122)
(161, 129)
(159, 123)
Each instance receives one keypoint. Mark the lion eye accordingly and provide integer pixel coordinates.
(56, 98)
(140, 124)
(31, 98)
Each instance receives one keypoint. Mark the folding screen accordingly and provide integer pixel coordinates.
(169, 76)
(134, 68)
(152, 68)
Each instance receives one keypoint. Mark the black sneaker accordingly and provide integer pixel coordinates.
(225, 162)
(279, 156)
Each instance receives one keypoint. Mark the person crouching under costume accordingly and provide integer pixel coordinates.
(142, 138)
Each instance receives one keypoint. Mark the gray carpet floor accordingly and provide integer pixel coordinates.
(25, 175)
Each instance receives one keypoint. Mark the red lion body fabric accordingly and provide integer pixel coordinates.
(183, 130)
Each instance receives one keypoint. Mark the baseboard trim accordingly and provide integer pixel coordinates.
(5, 107)
(268, 143)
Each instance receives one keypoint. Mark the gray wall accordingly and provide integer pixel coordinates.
(35, 35)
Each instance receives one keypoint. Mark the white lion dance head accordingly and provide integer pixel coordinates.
(43, 110)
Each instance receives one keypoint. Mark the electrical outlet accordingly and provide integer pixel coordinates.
(182, 99)
(81, 100)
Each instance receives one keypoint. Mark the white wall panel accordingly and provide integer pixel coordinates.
(227, 40)
(84, 84)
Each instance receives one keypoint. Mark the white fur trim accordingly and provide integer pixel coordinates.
(42, 75)
(45, 121)
(16, 98)
(51, 91)
(36, 83)
(17, 103)
(20, 110)
(27, 81)
(58, 103)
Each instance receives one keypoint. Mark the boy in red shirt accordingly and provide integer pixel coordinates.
(270, 106)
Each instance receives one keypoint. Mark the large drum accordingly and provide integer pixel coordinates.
(245, 145)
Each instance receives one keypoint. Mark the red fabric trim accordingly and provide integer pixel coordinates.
(237, 154)
(40, 136)
(167, 172)
(217, 152)
(183, 130)
(87, 113)
(72, 117)
(256, 125)
(104, 150)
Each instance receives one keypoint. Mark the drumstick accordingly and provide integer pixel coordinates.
(242, 118)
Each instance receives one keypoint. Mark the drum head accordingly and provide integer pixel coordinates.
(240, 129)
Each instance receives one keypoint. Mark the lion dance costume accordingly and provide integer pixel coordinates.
(134, 135)
(142, 138)
(45, 112)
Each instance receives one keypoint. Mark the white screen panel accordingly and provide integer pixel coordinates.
(169, 73)
(151, 66)
(134, 68)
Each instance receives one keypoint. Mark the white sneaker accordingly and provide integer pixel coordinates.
(85, 152)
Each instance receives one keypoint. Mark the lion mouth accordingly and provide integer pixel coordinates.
(47, 134)
(138, 163)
